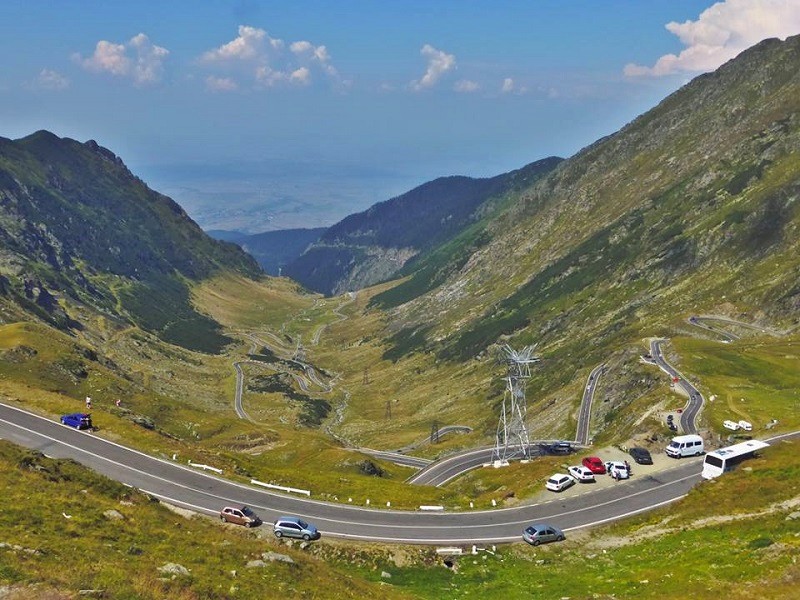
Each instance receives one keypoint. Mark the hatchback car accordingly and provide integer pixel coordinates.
(594, 464)
(618, 469)
(582, 474)
(294, 527)
(541, 533)
(77, 420)
(641, 456)
(559, 482)
(242, 515)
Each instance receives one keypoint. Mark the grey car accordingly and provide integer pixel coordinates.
(294, 527)
(540, 533)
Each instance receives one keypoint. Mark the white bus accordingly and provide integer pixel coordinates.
(719, 461)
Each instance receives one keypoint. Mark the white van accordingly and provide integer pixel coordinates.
(686, 445)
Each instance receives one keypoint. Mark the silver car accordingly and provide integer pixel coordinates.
(540, 533)
(294, 527)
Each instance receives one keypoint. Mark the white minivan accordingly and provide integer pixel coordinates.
(686, 445)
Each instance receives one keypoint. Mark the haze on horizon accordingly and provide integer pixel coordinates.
(258, 116)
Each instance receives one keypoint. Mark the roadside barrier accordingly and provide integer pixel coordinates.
(205, 467)
(283, 488)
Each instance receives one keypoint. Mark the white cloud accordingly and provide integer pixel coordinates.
(107, 57)
(221, 84)
(301, 47)
(509, 86)
(721, 32)
(149, 65)
(265, 59)
(144, 66)
(267, 77)
(51, 80)
(439, 63)
(301, 76)
(251, 44)
(466, 86)
(315, 54)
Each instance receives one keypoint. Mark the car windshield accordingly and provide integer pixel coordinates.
(303, 524)
(246, 510)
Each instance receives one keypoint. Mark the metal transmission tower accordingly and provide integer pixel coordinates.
(512, 433)
(299, 352)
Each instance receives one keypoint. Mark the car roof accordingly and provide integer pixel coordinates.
(291, 519)
(540, 526)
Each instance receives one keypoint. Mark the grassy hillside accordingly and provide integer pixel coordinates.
(65, 529)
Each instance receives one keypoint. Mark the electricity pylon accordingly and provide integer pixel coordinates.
(512, 432)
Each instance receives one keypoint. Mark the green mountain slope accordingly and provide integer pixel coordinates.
(76, 224)
(372, 246)
(692, 206)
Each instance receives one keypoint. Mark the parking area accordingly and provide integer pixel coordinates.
(661, 462)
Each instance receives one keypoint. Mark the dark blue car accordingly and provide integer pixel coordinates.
(77, 420)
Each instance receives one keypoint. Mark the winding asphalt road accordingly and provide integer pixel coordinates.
(206, 494)
(442, 471)
(585, 413)
(695, 402)
(726, 336)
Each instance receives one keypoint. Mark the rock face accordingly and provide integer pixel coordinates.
(375, 245)
(173, 569)
(276, 557)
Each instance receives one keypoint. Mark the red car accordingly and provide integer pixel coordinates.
(594, 464)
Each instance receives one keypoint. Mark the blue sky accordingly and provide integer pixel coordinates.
(264, 115)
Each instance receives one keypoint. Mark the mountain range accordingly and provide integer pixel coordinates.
(108, 288)
(693, 199)
(376, 244)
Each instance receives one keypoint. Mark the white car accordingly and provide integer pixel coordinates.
(580, 473)
(732, 425)
(617, 469)
(746, 425)
(559, 482)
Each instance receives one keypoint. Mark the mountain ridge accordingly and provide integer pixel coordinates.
(374, 245)
(75, 223)
(702, 186)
